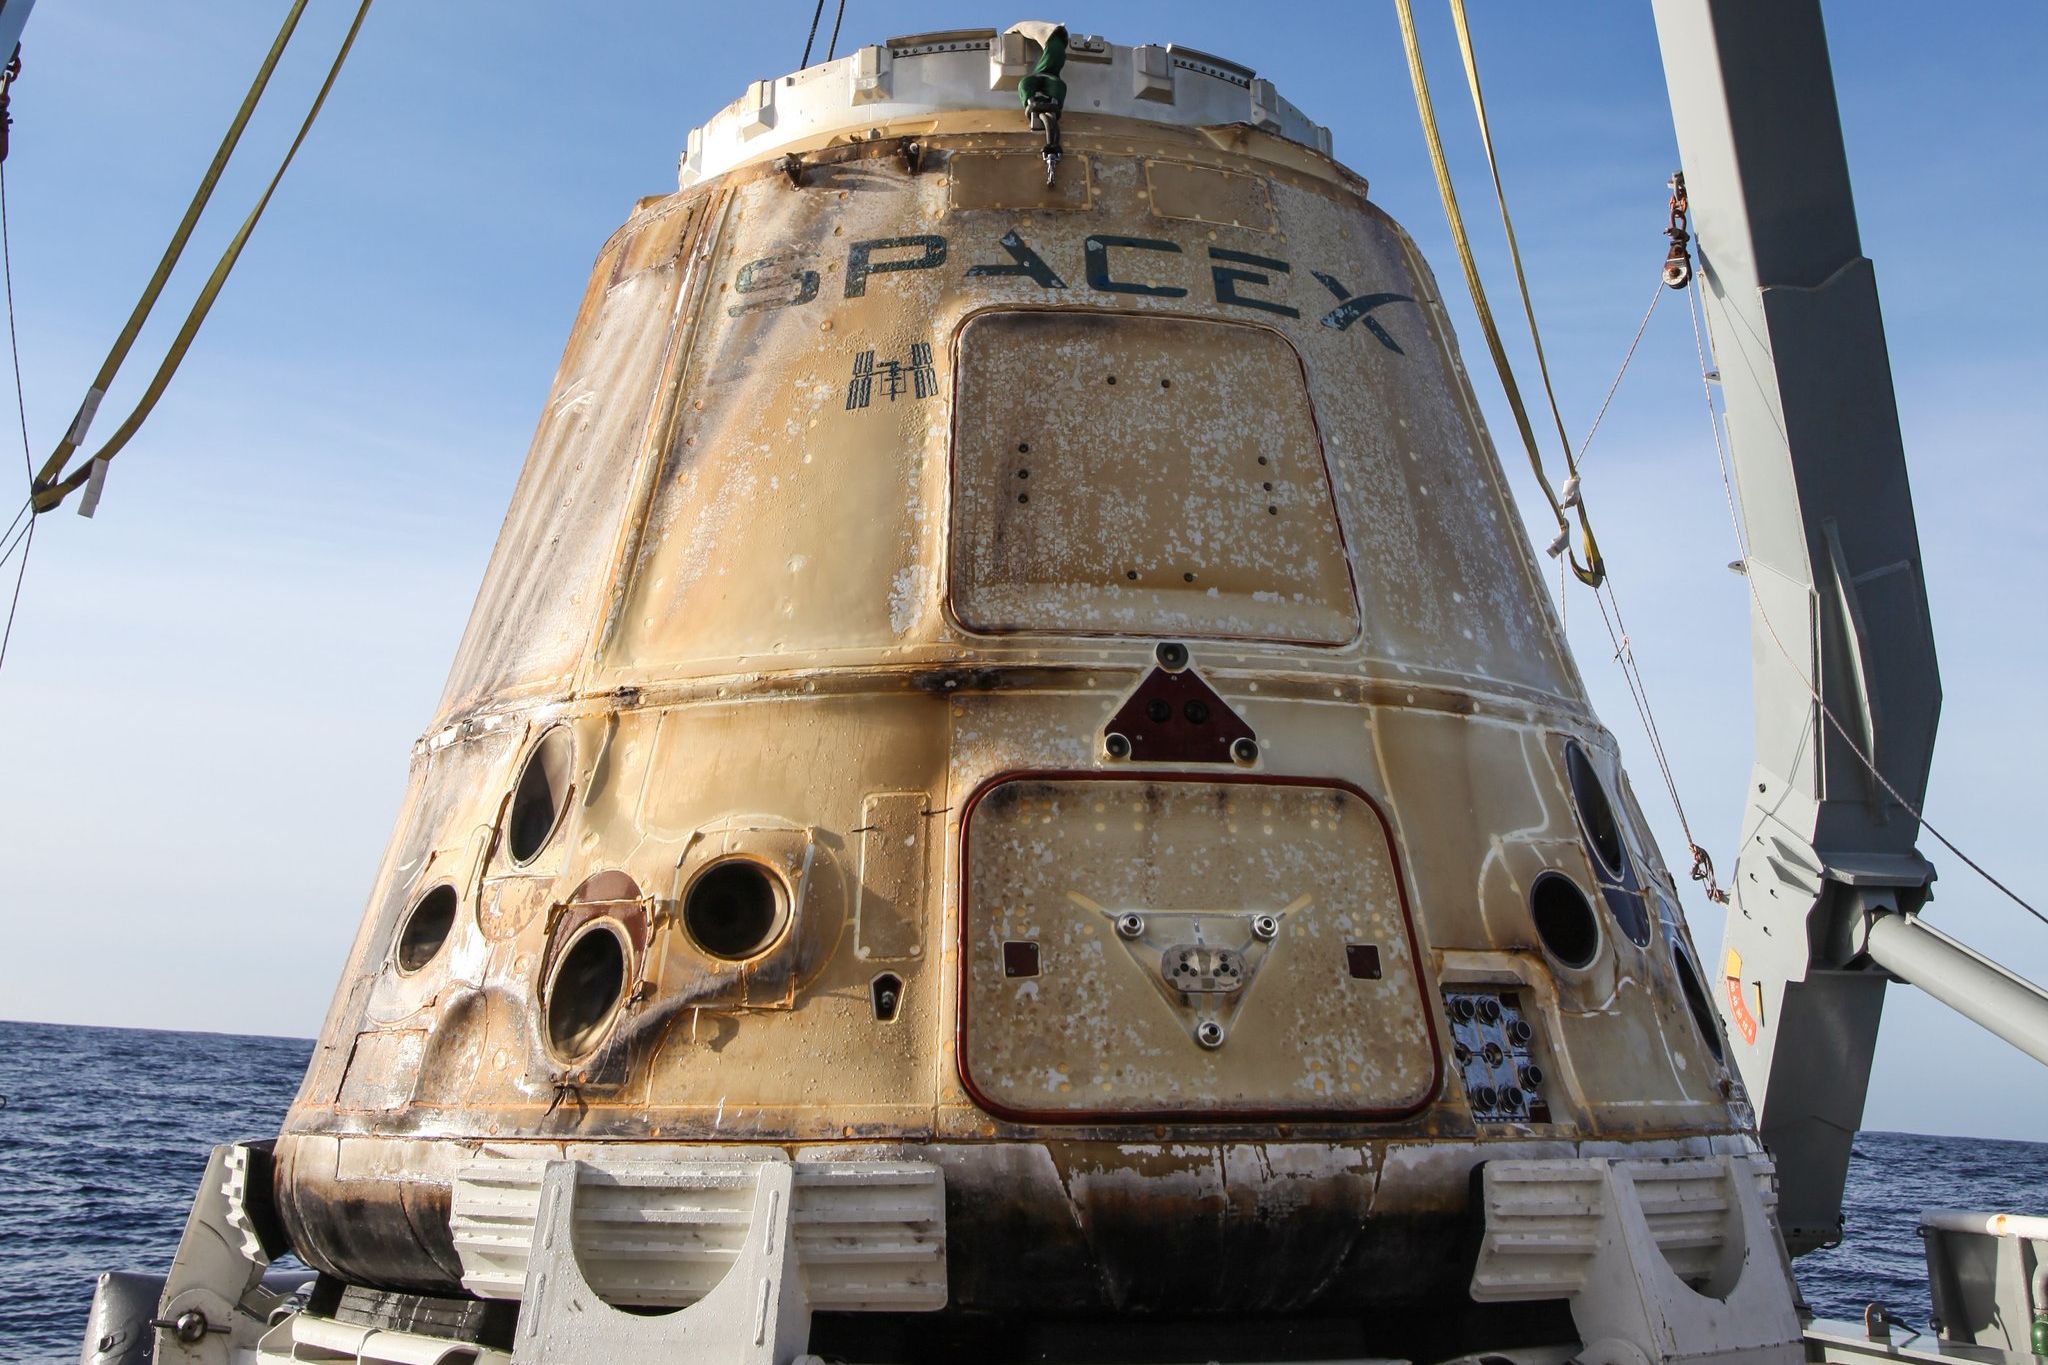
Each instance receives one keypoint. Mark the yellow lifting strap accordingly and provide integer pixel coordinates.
(52, 484)
(1594, 570)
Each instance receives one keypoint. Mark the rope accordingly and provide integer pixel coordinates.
(832, 47)
(1639, 691)
(75, 437)
(816, 15)
(12, 536)
(1641, 327)
(1756, 598)
(1594, 570)
(1699, 347)
(1624, 650)
(13, 338)
(49, 494)
(27, 536)
(14, 603)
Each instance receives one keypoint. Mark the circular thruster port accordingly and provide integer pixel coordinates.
(584, 993)
(735, 909)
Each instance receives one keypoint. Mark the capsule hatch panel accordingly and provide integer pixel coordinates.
(1159, 476)
(1192, 950)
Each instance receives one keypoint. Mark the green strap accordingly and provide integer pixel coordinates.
(1045, 72)
(51, 490)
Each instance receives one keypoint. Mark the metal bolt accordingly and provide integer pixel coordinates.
(189, 1326)
(1172, 656)
(1130, 926)
(1116, 745)
(1265, 926)
(1244, 752)
(1209, 1033)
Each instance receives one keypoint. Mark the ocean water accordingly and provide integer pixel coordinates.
(105, 1133)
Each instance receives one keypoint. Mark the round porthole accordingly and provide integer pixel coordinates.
(426, 928)
(540, 795)
(1564, 920)
(735, 909)
(1596, 812)
(1696, 1001)
(588, 983)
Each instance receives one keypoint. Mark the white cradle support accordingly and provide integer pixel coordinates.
(756, 1314)
(868, 1235)
(745, 1249)
(1662, 1261)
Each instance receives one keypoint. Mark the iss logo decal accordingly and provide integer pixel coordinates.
(892, 378)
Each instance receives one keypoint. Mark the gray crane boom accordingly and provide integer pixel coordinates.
(1828, 883)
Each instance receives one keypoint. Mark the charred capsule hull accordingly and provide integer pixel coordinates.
(1042, 680)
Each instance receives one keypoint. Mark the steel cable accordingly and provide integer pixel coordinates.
(816, 15)
(14, 602)
(13, 339)
(1641, 327)
(27, 536)
(832, 47)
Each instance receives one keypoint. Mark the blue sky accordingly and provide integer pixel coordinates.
(213, 685)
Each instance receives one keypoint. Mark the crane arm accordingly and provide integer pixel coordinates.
(1829, 883)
